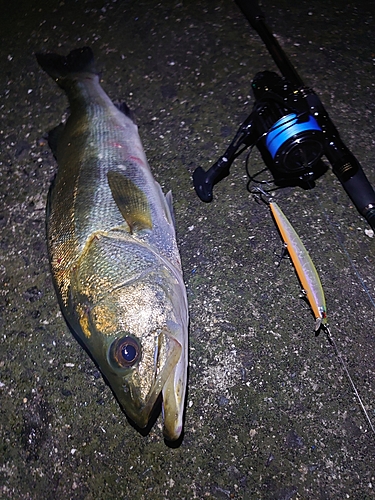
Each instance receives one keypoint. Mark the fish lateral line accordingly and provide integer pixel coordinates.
(112, 224)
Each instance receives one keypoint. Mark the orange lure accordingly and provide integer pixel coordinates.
(304, 266)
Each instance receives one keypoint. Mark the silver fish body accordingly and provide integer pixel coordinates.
(113, 250)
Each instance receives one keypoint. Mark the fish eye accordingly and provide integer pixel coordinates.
(125, 351)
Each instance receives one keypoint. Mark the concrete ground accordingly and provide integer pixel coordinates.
(270, 412)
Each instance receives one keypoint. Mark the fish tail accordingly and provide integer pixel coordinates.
(60, 67)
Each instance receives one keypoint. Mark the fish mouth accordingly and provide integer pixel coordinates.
(173, 404)
(139, 406)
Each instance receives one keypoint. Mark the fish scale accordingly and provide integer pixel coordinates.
(113, 250)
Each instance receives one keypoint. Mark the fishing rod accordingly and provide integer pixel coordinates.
(292, 130)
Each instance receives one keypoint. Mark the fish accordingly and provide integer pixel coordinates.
(112, 247)
(304, 266)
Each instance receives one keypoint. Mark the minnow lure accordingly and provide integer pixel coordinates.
(312, 287)
(307, 274)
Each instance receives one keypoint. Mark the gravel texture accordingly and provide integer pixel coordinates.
(270, 412)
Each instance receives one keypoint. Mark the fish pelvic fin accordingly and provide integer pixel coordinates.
(131, 201)
(59, 67)
(54, 137)
(169, 201)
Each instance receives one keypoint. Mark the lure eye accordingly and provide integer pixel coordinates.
(125, 351)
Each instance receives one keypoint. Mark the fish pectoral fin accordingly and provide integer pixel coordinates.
(131, 201)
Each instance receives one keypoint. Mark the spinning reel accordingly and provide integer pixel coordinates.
(292, 131)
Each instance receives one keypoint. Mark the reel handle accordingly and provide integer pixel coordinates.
(205, 181)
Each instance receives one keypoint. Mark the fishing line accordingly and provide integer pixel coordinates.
(311, 283)
(332, 341)
(254, 178)
(328, 332)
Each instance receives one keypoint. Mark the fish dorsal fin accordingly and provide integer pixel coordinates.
(131, 201)
(124, 108)
(167, 203)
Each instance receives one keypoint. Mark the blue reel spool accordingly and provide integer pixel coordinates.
(301, 141)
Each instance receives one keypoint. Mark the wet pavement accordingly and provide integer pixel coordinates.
(270, 412)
